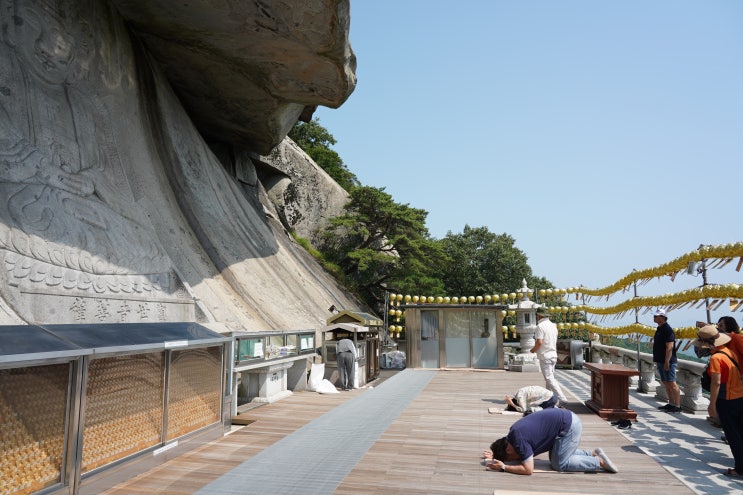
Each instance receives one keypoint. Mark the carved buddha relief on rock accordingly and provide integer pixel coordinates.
(67, 235)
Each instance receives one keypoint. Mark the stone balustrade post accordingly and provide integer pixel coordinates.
(692, 399)
(648, 383)
(631, 362)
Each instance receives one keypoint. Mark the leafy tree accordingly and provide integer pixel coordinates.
(381, 244)
(316, 141)
(481, 262)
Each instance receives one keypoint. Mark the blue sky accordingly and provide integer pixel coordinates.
(602, 136)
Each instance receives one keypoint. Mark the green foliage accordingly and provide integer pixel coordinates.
(316, 141)
(481, 262)
(382, 244)
(307, 246)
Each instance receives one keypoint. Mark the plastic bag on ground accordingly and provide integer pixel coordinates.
(316, 374)
(326, 387)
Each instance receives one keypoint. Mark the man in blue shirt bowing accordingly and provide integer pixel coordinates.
(556, 431)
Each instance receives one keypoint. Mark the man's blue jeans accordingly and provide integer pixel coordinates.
(565, 455)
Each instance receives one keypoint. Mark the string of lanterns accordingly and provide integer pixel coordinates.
(716, 257)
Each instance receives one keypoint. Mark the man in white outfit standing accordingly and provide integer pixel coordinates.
(546, 350)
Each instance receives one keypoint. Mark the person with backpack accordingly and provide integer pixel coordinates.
(726, 391)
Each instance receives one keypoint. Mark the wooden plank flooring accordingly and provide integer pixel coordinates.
(433, 447)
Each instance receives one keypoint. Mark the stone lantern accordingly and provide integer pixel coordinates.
(526, 326)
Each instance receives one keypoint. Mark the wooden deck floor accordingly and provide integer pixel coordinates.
(431, 448)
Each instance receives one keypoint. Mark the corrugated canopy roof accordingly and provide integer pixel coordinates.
(359, 317)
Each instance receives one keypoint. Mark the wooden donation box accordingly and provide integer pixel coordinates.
(610, 391)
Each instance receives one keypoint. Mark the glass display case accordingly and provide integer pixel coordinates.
(268, 366)
(32, 427)
(76, 399)
(266, 346)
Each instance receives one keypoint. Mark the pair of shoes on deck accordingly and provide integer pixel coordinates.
(622, 424)
(605, 462)
(670, 408)
(733, 474)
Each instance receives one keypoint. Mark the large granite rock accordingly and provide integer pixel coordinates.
(113, 207)
(246, 70)
(305, 196)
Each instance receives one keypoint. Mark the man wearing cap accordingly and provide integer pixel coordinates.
(545, 348)
(664, 356)
(725, 392)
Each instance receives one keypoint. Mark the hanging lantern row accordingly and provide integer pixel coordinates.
(396, 299)
(734, 292)
(396, 329)
(716, 293)
(634, 328)
(716, 256)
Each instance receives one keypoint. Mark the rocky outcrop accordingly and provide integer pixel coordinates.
(305, 196)
(246, 70)
(113, 207)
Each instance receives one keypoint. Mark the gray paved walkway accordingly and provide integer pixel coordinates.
(322, 443)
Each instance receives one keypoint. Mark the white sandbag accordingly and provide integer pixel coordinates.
(316, 376)
(326, 387)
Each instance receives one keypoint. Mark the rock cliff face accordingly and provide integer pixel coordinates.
(144, 174)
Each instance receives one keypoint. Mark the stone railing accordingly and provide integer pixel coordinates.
(688, 375)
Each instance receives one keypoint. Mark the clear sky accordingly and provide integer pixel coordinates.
(601, 135)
